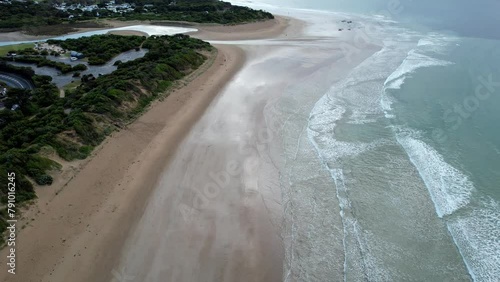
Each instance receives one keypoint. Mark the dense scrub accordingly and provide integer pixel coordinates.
(74, 125)
(19, 14)
(202, 11)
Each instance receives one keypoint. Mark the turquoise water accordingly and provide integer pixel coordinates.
(411, 143)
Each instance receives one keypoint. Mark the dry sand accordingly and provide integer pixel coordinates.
(77, 228)
(258, 30)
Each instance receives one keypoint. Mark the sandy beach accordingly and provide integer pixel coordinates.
(78, 227)
(258, 30)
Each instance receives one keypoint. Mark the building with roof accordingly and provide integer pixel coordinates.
(76, 55)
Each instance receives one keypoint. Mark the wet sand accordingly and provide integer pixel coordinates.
(215, 214)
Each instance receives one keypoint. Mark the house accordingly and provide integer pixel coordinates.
(14, 107)
(90, 8)
(76, 55)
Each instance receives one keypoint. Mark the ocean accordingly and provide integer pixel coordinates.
(393, 169)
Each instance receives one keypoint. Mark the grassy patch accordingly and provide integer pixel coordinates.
(72, 85)
(5, 49)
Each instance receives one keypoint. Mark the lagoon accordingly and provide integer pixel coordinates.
(149, 29)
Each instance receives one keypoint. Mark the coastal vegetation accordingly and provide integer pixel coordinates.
(51, 17)
(100, 49)
(4, 50)
(46, 125)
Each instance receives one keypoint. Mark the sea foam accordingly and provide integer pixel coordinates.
(413, 61)
(449, 188)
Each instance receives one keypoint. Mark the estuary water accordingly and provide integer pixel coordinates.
(393, 168)
(149, 29)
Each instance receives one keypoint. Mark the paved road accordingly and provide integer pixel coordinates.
(15, 81)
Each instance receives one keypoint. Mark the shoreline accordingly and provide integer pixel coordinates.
(95, 202)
